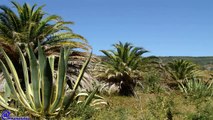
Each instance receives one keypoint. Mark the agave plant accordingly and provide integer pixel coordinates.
(45, 94)
(87, 99)
(122, 66)
(196, 87)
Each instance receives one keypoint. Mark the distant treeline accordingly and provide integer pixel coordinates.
(197, 60)
(204, 62)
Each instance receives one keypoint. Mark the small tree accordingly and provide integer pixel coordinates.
(122, 66)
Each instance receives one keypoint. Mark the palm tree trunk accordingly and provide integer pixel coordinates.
(126, 90)
(127, 86)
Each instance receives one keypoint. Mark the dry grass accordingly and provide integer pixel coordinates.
(150, 107)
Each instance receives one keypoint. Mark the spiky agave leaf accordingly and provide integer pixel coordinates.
(76, 85)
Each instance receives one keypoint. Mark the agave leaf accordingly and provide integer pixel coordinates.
(99, 103)
(7, 92)
(67, 53)
(69, 99)
(98, 100)
(83, 69)
(52, 61)
(98, 97)
(46, 79)
(17, 93)
(60, 83)
(90, 97)
(26, 77)
(81, 94)
(16, 79)
(34, 70)
(5, 104)
(79, 102)
(9, 81)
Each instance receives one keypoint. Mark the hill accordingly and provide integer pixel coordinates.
(206, 62)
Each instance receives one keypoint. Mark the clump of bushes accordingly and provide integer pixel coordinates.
(160, 108)
(204, 111)
(152, 83)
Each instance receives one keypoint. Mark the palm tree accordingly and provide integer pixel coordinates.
(28, 25)
(121, 66)
(181, 69)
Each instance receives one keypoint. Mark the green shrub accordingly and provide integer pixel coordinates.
(152, 83)
(80, 112)
(196, 88)
(204, 112)
(160, 109)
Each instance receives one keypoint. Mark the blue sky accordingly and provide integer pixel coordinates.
(164, 27)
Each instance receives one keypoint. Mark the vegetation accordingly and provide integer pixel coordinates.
(36, 67)
(197, 87)
(204, 62)
(156, 107)
(28, 25)
(52, 100)
(152, 82)
(122, 66)
(181, 69)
